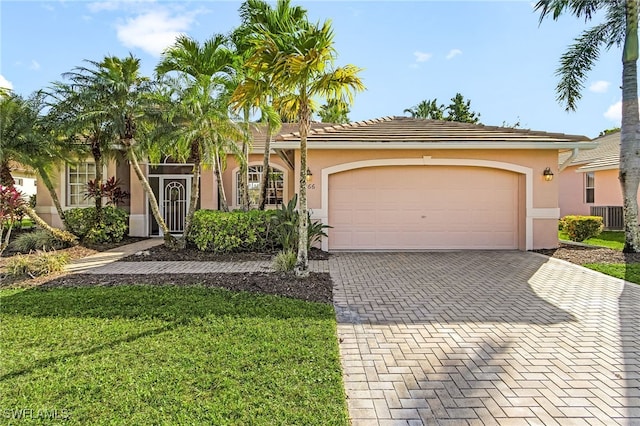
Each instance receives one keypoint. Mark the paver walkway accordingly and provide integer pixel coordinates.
(504, 338)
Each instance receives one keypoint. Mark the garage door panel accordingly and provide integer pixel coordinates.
(423, 208)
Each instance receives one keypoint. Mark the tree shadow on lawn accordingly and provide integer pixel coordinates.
(176, 306)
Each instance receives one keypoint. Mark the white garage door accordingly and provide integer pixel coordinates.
(413, 207)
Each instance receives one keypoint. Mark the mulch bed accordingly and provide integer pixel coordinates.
(316, 288)
(161, 253)
(582, 255)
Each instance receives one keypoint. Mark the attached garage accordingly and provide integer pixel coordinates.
(420, 208)
(399, 183)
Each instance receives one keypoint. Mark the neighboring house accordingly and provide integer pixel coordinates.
(25, 179)
(393, 183)
(589, 182)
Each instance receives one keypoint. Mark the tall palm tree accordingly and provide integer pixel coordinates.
(301, 64)
(619, 28)
(255, 90)
(24, 139)
(122, 95)
(201, 110)
(197, 129)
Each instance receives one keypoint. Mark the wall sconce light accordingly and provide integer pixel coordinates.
(548, 174)
(309, 175)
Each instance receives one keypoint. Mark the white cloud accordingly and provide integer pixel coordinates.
(600, 86)
(153, 31)
(614, 112)
(4, 83)
(453, 53)
(34, 65)
(421, 56)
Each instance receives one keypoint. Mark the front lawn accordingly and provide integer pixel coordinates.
(168, 355)
(629, 272)
(610, 239)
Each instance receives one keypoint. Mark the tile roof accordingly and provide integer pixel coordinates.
(608, 147)
(604, 163)
(259, 131)
(406, 129)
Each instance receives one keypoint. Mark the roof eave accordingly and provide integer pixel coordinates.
(438, 145)
(586, 169)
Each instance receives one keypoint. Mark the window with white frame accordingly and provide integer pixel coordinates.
(78, 175)
(589, 187)
(275, 186)
(19, 181)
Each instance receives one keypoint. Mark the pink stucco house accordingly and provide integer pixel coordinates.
(393, 183)
(589, 184)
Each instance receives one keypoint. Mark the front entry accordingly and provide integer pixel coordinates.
(172, 191)
(174, 202)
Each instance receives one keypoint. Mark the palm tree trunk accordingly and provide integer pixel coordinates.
(44, 177)
(169, 240)
(302, 264)
(244, 166)
(630, 131)
(195, 193)
(59, 234)
(216, 170)
(264, 181)
(5, 174)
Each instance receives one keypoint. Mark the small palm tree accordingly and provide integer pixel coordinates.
(619, 28)
(301, 64)
(427, 109)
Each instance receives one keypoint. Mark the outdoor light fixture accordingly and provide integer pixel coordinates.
(309, 175)
(548, 174)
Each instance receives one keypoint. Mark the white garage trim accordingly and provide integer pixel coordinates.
(323, 213)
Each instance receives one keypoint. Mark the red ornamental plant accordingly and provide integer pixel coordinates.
(11, 202)
(110, 189)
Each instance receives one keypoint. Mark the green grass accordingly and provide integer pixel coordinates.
(629, 272)
(610, 239)
(168, 355)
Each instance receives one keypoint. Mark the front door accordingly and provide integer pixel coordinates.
(174, 201)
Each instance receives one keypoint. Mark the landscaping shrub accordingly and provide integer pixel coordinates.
(285, 261)
(286, 227)
(226, 232)
(41, 263)
(111, 228)
(36, 240)
(580, 228)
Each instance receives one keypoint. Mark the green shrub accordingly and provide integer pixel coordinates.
(285, 261)
(580, 228)
(286, 222)
(41, 263)
(83, 223)
(36, 240)
(226, 232)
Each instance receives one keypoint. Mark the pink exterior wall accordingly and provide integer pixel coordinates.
(571, 187)
(608, 191)
(545, 194)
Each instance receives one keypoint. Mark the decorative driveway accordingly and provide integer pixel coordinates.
(485, 337)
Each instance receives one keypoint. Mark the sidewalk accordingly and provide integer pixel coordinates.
(109, 256)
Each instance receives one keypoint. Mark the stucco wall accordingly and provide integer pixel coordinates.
(541, 204)
(571, 188)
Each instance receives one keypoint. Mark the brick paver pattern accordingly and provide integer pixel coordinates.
(505, 338)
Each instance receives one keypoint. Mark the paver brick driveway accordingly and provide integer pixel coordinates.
(485, 338)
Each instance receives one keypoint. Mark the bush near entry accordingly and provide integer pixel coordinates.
(580, 228)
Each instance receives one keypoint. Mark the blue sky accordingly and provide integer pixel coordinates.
(495, 53)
